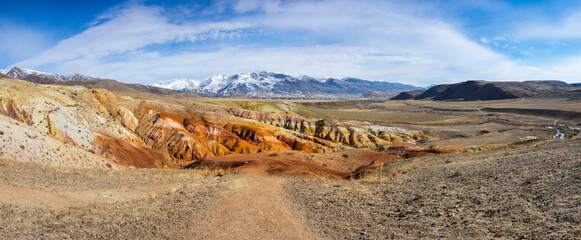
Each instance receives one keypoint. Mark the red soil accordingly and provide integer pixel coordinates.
(126, 154)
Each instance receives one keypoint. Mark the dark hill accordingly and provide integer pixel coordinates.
(408, 95)
(552, 83)
(484, 90)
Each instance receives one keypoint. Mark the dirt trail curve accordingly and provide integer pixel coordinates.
(255, 208)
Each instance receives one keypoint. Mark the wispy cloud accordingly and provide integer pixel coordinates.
(376, 40)
(130, 29)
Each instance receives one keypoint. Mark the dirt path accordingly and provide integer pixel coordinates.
(255, 208)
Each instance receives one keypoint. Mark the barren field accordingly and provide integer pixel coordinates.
(526, 192)
(475, 174)
(464, 125)
(529, 193)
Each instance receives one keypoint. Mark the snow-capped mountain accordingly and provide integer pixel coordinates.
(42, 77)
(229, 85)
(277, 85)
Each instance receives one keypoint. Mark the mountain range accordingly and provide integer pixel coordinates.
(34, 76)
(252, 85)
(276, 85)
(42, 77)
(264, 84)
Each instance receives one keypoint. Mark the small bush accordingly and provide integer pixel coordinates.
(21, 146)
(530, 178)
(345, 155)
(273, 154)
(455, 174)
(1, 132)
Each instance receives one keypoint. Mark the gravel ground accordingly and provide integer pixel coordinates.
(99, 204)
(533, 192)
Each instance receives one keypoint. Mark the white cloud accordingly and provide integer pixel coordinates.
(368, 39)
(130, 29)
(531, 68)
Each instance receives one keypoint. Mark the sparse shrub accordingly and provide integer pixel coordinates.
(1, 132)
(530, 178)
(273, 154)
(345, 155)
(22, 147)
(455, 174)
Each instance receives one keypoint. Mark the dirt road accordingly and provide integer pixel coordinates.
(255, 208)
(38, 201)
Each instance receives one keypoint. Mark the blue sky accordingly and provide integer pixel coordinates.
(416, 42)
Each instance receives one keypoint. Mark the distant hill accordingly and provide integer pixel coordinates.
(45, 78)
(378, 95)
(408, 95)
(485, 90)
(82, 80)
(575, 84)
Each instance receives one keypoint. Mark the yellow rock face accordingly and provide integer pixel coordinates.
(330, 129)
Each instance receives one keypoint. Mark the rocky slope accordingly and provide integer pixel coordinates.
(527, 193)
(332, 130)
(94, 127)
(276, 85)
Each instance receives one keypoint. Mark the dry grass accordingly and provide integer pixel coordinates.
(533, 192)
